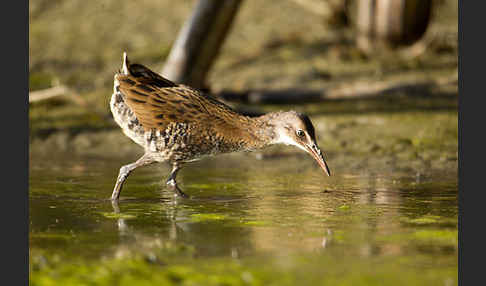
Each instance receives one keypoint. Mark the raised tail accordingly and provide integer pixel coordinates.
(143, 74)
(125, 64)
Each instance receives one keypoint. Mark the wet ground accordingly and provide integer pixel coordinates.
(387, 216)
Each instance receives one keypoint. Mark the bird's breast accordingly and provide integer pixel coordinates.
(126, 119)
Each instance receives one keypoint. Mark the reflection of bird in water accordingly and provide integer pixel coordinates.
(122, 226)
(124, 229)
(177, 124)
(177, 227)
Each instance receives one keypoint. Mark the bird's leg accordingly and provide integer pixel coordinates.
(146, 159)
(171, 181)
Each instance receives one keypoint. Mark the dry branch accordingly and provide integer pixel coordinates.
(44, 94)
(60, 90)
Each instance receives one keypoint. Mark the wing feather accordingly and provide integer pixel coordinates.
(158, 102)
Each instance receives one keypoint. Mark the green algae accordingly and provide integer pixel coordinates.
(437, 236)
(207, 217)
(320, 269)
(53, 236)
(344, 207)
(227, 220)
(430, 219)
(256, 223)
(431, 237)
(114, 215)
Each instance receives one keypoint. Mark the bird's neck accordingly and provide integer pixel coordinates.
(259, 131)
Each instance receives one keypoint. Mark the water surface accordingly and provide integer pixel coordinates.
(250, 221)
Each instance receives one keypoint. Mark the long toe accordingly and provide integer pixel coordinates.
(177, 191)
(180, 193)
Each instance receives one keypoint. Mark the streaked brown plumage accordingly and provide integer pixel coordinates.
(178, 124)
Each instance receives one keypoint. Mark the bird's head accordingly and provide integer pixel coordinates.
(292, 128)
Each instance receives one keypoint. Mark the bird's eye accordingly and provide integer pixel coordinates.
(300, 133)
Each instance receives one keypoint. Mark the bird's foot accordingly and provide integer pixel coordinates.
(172, 184)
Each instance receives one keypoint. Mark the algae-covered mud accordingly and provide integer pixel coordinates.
(387, 216)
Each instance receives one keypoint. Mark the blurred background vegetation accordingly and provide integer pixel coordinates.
(271, 45)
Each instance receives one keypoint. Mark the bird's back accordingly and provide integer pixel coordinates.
(175, 121)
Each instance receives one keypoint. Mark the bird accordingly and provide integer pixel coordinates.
(178, 124)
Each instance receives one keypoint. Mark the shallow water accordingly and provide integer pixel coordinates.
(249, 222)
